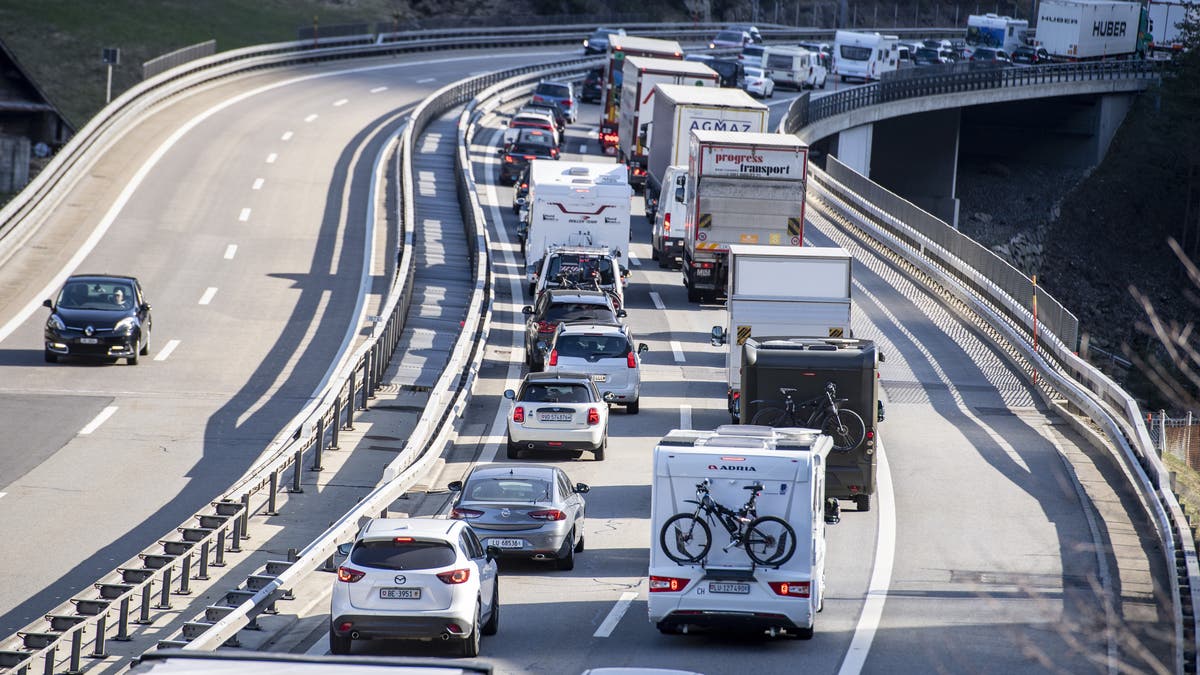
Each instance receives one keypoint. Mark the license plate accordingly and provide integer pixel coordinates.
(400, 593)
(727, 587)
(554, 417)
(89, 341)
(703, 272)
(599, 378)
(506, 543)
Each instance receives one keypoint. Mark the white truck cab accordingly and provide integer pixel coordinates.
(767, 486)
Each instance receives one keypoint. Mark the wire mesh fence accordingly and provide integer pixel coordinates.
(1176, 436)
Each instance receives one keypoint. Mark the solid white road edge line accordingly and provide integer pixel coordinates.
(881, 574)
(657, 300)
(244, 215)
(209, 294)
(230, 251)
(166, 350)
(615, 614)
(678, 349)
(272, 157)
(685, 416)
(98, 420)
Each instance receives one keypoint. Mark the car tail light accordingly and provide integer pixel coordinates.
(457, 576)
(701, 265)
(537, 98)
(465, 514)
(508, 159)
(546, 326)
(553, 358)
(566, 104)
(554, 152)
(631, 359)
(666, 222)
(349, 574)
(667, 584)
(530, 157)
(593, 416)
(519, 414)
(608, 138)
(548, 514)
(791, 589)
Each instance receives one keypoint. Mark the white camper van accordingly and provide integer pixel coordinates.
(738, 530)
(795, 67)
(864, 56)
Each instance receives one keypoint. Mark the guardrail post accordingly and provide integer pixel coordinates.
(98, 648)
(316, 465)
(185, 581)
(123, 621)
(202, 575)
(144, 614)
(350, 400)
(219, 555)
(296, 487)
(274, 494)
(235, 544)
(337, 415)
(76, 651)
(164, 601)
(372, 375)
(246, 516)
(48, 664)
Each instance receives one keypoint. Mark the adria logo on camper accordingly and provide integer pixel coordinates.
(732, 467)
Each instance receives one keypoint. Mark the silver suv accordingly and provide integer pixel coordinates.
(604, 352)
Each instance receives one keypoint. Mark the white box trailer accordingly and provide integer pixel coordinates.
(638, 81)
(1083, 30)
(576, 204)
(678, 110)
(782, 292)
(742, 188)
(1165, 18)
(721, 585)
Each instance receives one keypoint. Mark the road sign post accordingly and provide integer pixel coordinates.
(110, 56)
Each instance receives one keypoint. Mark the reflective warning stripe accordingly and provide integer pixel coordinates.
(708, 247)
(835, 332)
(704, 221)
(743, 332)
(795, 227)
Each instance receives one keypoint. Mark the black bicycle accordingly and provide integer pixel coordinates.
(824, 412)
(586, 280)
(687, 538)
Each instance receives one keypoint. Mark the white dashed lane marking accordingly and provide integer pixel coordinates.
(376, 90)
(98, 420)
(244, 215)
(426, 79)
(258, 183)
(209, 293)
(230, 251)
(685, 417)
(340, 102)
(287, 136)
(311, 117)
(678, 349)
(271, 158)
(657, 300)
(166, 350)
(615, 614)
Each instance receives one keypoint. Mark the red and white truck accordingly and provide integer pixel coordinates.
(637, 101)
(620, 47)
(742, 188)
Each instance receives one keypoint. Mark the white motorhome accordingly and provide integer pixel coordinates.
(576, 204)
(795, 67)
(699, 582)
(864, 56)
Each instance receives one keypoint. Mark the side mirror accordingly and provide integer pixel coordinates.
(527, 310)
(48, 303)
(833, 512)
(642, 348)
(146, 307)
(492, 552)
(882, 358)
(510, 394)
(621, 314)
(455, 486)
(718, 336)
(679, 195)
(582, 488)
(625, 273)
(344, 549)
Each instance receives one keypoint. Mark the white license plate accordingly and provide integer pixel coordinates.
(703, 272)
(599, 378)
(506, 543)
(555, 417)
(727, 587)
(400, 593)
(89, 341)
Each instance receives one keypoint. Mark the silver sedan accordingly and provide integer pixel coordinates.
(524, 510)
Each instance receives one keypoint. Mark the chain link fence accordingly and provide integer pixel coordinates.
(1176, 436)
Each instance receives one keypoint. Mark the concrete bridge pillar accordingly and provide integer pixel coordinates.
(916, 157)
(854, 148)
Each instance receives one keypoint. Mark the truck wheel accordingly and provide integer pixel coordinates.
(862, 502)
(693, 295)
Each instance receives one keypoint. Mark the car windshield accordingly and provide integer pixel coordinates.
(592, 346)
(556, 392)
(577, 311)
(507, 489)
(577, 267)
(96, 295)
(556, 90)
(395, 555)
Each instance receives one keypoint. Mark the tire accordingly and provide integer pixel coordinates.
(667, 630)
(579, 545)
(567, 562)
(493, 622)
(862, 502)
(691, 537)
(773, 417)
(693, 294)
(50, 356)
(805, 633)
(770, 541)
(654, 252)
(132, 360)
(632, 408)
(598, 453)
(146, 347)
(469, 647)
(847, 430)
(339, 645)
(513, 451)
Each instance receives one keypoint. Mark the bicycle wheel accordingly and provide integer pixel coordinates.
(685, 538)
(773, 417)
(847, 430)
(770, 541)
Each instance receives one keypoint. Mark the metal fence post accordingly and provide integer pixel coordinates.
(350, 401)
(219, 555)
(246, 516)
(273, 495)
(316, 465)
(202, 575)
(296, 487)
(185, 582)
(337, 413)
(123, 621)
(164, 601)
(144, 614)
(235, 544)
(76, 650)
(98, 648)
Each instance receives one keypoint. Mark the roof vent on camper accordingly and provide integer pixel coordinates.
(577, 171)
(736, 442)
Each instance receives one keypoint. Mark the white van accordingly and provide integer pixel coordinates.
(864, 56)
(795, 67)
(764, 486)
(666, 235)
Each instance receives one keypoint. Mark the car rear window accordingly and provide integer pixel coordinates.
(507, 489)
(570, 311)
(555, 393)
(592, 346)
(575, 266)
(556, 90)
(393, 555)
(729, 36)
(852, 53)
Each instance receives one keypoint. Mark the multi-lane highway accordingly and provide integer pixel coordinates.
(999, 542)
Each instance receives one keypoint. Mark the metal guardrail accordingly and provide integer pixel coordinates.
(162, 64)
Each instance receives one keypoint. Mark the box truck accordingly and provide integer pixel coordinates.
(781, 291)
(679, 109)
(738, 520)
(619, 47)
(1166, 35)
(1089, 30)
(575, 204)
(641, 74)
(742, 188)
(774, 368)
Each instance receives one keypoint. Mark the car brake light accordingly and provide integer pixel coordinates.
(631, 359)
(593, 416)
(349, 574)
(545, 326)
(530, 156)
(553, 358)
(548, 514)
(554, 152)
(508, 159)
(519, 414)
(701, 265)
(465, 514)
(566, 104)
(666, 222)
(402, 540)
(455, 576)
(790, 589)
(667, 584)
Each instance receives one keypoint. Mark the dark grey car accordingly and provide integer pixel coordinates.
(98, 316)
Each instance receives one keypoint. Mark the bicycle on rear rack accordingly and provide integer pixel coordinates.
(687, 538)
(827, 415)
